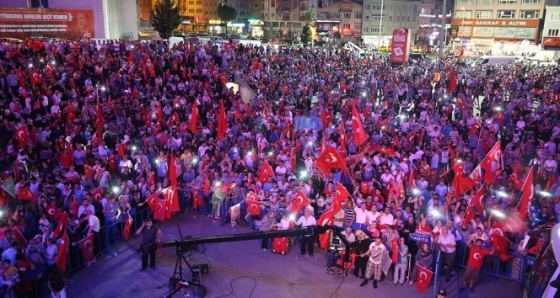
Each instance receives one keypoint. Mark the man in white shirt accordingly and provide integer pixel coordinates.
(373, 268)
(447, 244)
(360, 223)
(307, 240)
(386, 217)
(372, 215)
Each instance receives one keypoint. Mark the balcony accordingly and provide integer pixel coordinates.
(285, 18)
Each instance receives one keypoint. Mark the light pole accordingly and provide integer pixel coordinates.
(380, 24)
(443, 37)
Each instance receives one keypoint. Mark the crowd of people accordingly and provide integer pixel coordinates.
(92, 130)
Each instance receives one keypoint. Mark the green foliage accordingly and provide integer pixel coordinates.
(309, 16)
(306, 34)
(166, 17)
(226, 13)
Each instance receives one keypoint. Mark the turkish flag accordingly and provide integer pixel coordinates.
(100, 123)
(330, 159)
(341, 193)
(121, 150)
(194, 117)
(423, 279)
(86, 246)
(112, 164)
(342, 137)
(395, 250)
(358, 132)
(300, 201)
(174, 119)
(500, 245)
(172, 170)
(477, 201)
(324, 239)
(171, 197)
(25, 194)
(388, 151)
(288, 130)
(88, 171)
(19, 236)
(549, 183)
(157, 206)
(494, 155)
(474, 129)
(411, 136)
(127, 227)
(452, 153)
(253, 205)
(97, 194)
(411, 182)
(325, 117)
(469, 215)
(452, 81)
(526, 195)
(206, 186)
(61, 226)
(265, 172)
(62, 259)
(22, 137)
(222, 121)
(326, 218)
(461, 182)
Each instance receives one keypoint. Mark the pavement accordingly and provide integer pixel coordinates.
(243, 270)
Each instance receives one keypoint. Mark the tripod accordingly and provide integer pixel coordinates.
(177, 282)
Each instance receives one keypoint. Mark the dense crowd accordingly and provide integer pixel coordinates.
(89, 130)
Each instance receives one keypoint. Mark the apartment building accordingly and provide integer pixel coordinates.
(551, 28)
(342, 18)
(381, 17)
(491, 24)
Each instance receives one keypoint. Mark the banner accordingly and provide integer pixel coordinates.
(419, 237)
(57, 23)
(400, 46)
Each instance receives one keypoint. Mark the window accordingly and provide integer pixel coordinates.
(553, 32)
(320, 3)
(206, 12)
(345, 26)
(377, 17)
(191, 2)
(464, 2)
(303, 5)
(483, 14)
(390, 18)
(507, 1)
(357, 26)
(531, 1)
(347, 15)
(368, 7)
(554, 16)
(529, 14)
(336, 15)
(506, 14)
(256, 5)
(198, 10)
(191, 10)
(398, 19)
(367, 18)
(408, 19)
(198, 2)
(366, 29)
(484, 2)
(467, 14)
(357, 15)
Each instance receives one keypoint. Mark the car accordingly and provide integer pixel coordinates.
(543, 280)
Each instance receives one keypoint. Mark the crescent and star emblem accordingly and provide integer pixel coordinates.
(423, 276)
(88, 245)
(477, 256)
(331, 158)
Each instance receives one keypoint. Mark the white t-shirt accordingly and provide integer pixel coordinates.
(306, 222)
(93, 222)
(447, 239)
(376, 252)
(361, 215)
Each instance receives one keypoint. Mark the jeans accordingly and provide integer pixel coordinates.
(151, 254)
(448, 263)
(360, 266)
(400, 273)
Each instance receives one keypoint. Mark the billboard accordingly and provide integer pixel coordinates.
(400, 46)
(551, 42)
(24, 23)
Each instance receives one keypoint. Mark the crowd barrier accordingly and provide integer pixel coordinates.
(105, 242)
(514, 269)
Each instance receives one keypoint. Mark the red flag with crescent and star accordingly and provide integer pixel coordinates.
(265, 172)
(86, 246)
(341, 193)
(25, 194)
(299, 202)
(61, 260)
(194, 117)
(253, 205)
(423, 279)
(342, 137)
(171, 200)
(526, 195)
(330, 159)
(358, 132)
(22, 136)
(127, 227)
(477, 201)
(222, 121)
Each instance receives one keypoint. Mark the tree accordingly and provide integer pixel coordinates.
(307, 32)
(166, 17)
(226, 13)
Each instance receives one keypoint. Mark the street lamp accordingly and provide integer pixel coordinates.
(380, 24)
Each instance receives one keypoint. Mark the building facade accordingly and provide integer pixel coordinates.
(380, 18)
(342, 19)
(551, 28)
(497, 25)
